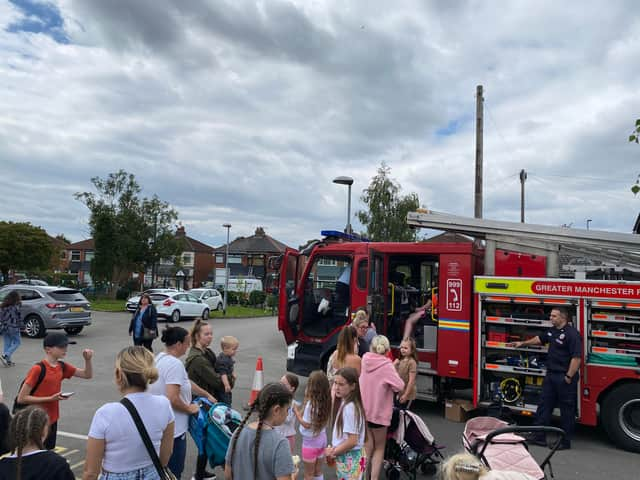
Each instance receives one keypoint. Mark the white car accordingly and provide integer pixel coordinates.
(177, 305)
(132, 302)
(210, 296)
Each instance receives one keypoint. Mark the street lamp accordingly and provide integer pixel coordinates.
(226, 271)
(346, 181)
(588, 222)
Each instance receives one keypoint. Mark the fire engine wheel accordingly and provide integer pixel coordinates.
(621, 416)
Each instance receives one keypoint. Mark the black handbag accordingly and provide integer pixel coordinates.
(164, 472)
(149, 333)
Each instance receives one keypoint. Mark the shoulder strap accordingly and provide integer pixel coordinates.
(144, 435)
(41, 375)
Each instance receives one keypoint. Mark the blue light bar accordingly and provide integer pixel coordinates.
(350, 237)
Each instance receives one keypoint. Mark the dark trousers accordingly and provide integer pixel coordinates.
(176, 462)
(201, 467)
(50, 441)
(556, 392)
(145, 343)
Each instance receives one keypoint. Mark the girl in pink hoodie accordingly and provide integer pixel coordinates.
(378, 383)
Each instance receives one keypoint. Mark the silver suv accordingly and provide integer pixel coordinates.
(47, 307)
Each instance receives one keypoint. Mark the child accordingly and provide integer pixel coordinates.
(224, 366)
(256, 450)
(313, 420)
(347, 442)
(464, 466)
(407, 368)
(29, 459)
(288, 428)
(48, 393)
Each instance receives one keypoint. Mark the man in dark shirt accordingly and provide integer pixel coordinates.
(560, 386)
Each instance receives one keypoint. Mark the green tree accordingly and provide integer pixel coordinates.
(129, 233)
(386, 217)
(23, 247)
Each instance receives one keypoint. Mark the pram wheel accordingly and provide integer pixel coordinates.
(428, 468)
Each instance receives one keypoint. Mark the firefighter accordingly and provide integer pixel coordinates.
(560, 386)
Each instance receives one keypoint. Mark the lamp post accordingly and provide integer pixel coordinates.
(588, 222)
(226, 271)
(346, 181)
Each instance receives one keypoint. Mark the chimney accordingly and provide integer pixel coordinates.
(260, 232)
(180, 232)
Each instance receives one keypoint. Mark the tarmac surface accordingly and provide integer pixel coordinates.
(592, 457)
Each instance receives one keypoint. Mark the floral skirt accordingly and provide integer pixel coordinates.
(351, 465)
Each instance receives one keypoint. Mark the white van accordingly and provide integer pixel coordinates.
(245, 285)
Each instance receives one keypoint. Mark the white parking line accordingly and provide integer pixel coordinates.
(77, 436)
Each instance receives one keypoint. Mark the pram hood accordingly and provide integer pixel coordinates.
(406, 419)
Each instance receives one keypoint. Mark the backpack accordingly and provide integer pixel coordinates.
(43, 370)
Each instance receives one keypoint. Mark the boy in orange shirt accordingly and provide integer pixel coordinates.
(48, 393)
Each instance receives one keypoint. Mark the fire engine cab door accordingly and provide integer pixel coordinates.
(288, 306)
(375, 297)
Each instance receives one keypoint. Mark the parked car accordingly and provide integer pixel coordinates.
(210, 296)
(32, 281)
(177, 305)
(46, 308)
(132, 302)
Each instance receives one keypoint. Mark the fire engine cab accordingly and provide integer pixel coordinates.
(490, 284)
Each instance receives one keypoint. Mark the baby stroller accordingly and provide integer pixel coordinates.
(212, 428)
(410, 446)
(498, 447)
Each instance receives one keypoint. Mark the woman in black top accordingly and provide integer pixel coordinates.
(144, 323)
(29, 459)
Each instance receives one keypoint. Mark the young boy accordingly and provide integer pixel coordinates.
(49, 392)
(224, 366)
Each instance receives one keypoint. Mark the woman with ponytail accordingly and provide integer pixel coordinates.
(115, 449)
(29, 459)
(378, 383)
(257, 451)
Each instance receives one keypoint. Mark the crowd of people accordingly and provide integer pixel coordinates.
(342, 420)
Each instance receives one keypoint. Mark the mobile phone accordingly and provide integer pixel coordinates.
(67, 394)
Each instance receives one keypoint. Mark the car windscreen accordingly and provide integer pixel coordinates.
(67, 295)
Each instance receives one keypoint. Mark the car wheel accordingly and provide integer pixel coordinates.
(34, 327)
(219, 307)
(73, 330)
(205, 314)
(175, 316)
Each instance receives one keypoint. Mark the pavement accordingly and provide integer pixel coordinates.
(592, 457)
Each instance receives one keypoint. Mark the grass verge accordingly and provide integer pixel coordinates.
(233, 311)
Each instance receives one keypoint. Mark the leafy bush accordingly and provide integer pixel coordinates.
(122, 293)
(232, 298)
(257, 297)
(272, 301)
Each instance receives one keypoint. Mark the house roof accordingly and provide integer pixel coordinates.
(259, 242)
(87, 244)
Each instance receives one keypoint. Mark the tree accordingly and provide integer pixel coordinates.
(386, 218)
(23, 247)
(129, 233)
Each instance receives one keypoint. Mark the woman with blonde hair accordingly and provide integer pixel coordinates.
(378, 383)
(345, 353)
(115, 449)
(464, 466)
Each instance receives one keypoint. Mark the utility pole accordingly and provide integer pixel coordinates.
(479, 134)
(523, 178)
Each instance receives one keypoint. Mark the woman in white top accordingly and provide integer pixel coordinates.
(115, 449)
(173, 382)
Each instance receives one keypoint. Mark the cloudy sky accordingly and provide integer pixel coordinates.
(243, 112)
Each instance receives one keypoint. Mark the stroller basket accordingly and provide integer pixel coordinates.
(212, 428)
(498, 445)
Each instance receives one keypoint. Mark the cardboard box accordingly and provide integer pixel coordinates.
(457, 410)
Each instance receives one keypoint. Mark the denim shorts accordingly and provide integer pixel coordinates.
(146, 473)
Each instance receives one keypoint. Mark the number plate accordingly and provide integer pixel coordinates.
(291, 351)
(76, 309)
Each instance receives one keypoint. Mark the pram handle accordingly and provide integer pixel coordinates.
(532, 429)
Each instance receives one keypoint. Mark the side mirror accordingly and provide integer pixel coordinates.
(199, 301)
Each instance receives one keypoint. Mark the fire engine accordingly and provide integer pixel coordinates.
(487, 292)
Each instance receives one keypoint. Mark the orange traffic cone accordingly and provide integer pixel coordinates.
(258, 382)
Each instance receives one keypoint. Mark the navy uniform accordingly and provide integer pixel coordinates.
(564, 344)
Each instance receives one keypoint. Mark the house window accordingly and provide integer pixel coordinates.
(187, 259)
(88, 255)
(63, 255)
(235, 258)
(75, 255)
(328, 262)
(219, 258)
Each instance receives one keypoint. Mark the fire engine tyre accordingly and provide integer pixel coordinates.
(205, 314)
(34, 327)
(621, 416)
(175, 316)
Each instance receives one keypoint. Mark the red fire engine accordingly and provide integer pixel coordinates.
(490, 291)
